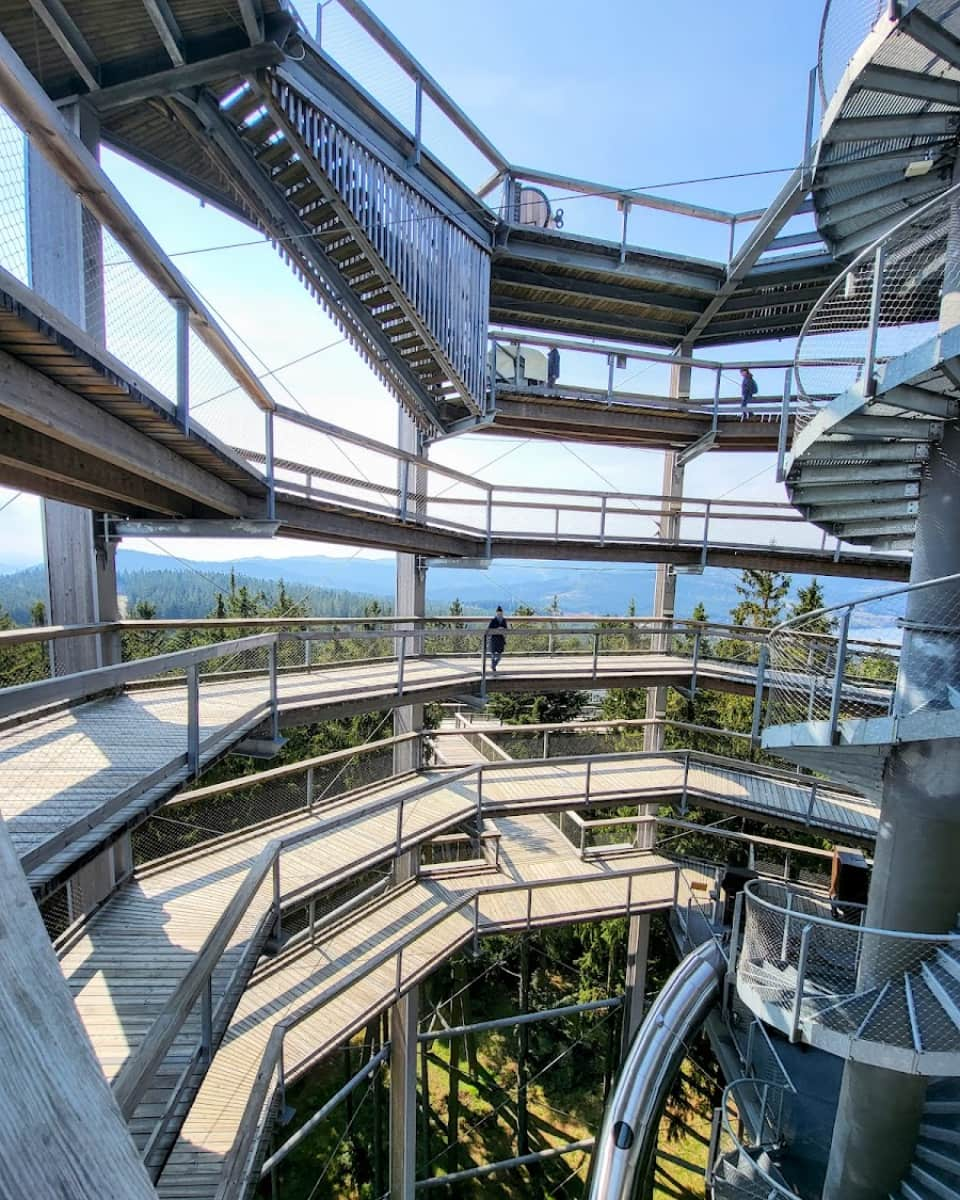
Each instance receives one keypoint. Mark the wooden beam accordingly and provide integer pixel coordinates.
(71, 41)
(62, 1133)
(32, 400)
(165, 23)
(168, 83)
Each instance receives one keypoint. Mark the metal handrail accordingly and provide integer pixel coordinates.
(752, 886)
(135, 1076)
(730, 1095)
(898, 591)
(272, 1060)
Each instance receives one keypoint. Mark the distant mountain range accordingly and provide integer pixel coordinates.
(341, 586)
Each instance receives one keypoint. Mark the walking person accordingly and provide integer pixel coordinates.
(498, 642)
(748, 389)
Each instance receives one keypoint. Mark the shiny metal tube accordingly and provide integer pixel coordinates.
(632, 1116)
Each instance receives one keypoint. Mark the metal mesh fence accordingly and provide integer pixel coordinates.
(897, 653)
(839, 338)
(13, 199)
(888, 988)
(845, 25)
(181, 825)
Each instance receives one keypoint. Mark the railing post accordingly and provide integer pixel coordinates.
(183, 364)
(479, 799)
(706, 537)
(310, 790)
(586, 795)
(785, 940)
(758, 696)
(596, 650)
(748, 1057)
(271, 479)
(869, 383)
(694, 664)
(418, 121)
(401, 659)
(808, 126)
(763, 1112)
(193, 719)
(811, 802)
(489, 531)
(583, 837)
(784, 423)
(715, 419)
(483, 667)
(491, 401)
(625, 207)
(838, 672)
(686, 777)
(206, 1020)
(603, 519)
(610, 363)
(312, 916)
(274, 698)
(801, 976)
(399, 826)
(404, 488)
(546, 743)
(277, 919)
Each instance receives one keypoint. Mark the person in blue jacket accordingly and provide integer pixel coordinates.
(498, 642)
(748, 389)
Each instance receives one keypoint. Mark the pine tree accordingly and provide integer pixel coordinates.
(763, 595)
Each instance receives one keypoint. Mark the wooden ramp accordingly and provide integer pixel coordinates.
(336, 986)
(71, 779)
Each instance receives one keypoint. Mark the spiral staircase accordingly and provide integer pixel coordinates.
(878, 362)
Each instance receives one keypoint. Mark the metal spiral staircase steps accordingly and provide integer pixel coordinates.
(909, 1022)
(833, 466)
(889, 132)
(935, 1171)
(407, 282)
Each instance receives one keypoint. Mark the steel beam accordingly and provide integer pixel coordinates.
(842, 513)
(866, 129)
(862, 426)
(932, 35)
(905, 397)
(251, 12)
(568, 285)
(813, 477)
(853, 490)
(901, 192)
(865, 452)
(891, 164)
(785, 206)
(916, 84)
(587, 320)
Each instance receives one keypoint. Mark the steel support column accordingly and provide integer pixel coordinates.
(411, 588)
(915, 885)
(638, 948)
(403, 1096)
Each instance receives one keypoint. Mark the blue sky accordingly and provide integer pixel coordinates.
(629, 94)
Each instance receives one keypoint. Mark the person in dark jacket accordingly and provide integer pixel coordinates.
(748, 389)
(497, 641)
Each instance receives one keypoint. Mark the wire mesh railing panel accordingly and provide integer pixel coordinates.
(895, 654)
(25, 662)
(182, 825)
(845, 25)
(884, 304)
(140, 324)
(872, 985)
(13, 200)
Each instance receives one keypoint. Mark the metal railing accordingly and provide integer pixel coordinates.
(316, 460)
(135, 1077)
(823, 670)
(834, 981)
(466, 917)
(886, 302)
(747, 1123)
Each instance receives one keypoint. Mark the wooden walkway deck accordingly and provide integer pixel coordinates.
(335, 989)
(87, 771)
(126, 961)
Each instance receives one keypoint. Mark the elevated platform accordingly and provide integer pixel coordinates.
(74, 778)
